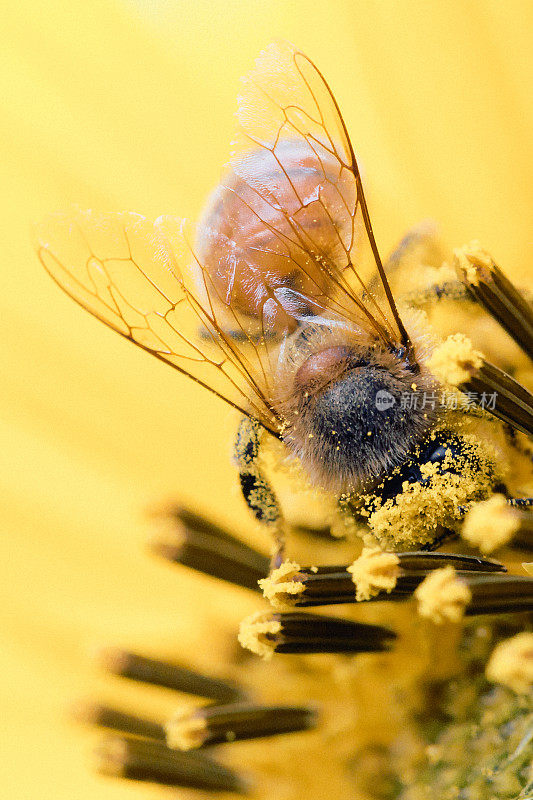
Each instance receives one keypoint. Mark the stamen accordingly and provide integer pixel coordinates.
(457, 363)
(423, 560)
(264, 634)
(316, 586)
(217, 724)
(144, 760)
(282, 587)
(102, 716)
(500, 594)
(332, 585)
(495, 292)
(513, 402)
(168, 675)
(322, 533)
(196, 543)
(447, 595)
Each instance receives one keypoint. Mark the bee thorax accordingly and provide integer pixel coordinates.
(347, 419)
(321, 368)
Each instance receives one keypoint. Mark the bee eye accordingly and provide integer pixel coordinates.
(323, 367)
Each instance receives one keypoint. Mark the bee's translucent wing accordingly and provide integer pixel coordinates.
(293, 153)
(124, 270)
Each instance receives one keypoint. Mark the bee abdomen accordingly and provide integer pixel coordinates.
(249, 246)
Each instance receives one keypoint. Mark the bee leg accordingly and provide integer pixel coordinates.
(525, 448)
(436, 451)
(446, 536)
(446, 461)
(421, 246)
(520, 502)
(449, 290)
(421, 243)
(256, 489)
(241, 336)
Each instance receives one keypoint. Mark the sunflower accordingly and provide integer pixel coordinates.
(121, 105)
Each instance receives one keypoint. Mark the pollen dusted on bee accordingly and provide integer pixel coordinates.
(421, 508)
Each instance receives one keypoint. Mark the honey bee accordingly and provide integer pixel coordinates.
(278, 303)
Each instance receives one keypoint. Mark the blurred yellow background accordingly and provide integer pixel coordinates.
(128, 105)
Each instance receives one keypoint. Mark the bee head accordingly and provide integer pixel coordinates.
(348, 415)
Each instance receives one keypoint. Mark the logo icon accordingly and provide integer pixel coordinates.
(384, 400)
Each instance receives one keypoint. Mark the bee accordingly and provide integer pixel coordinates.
(278, 302)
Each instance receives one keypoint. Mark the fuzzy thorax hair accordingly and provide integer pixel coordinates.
(353, 409)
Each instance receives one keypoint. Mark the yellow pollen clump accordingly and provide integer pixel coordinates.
(472, 263)
(254, 631)
(279, 586)
(373, 572)
(415, 515)
(511, 663)
(454, 361)
(442, 597)
(490, 524)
